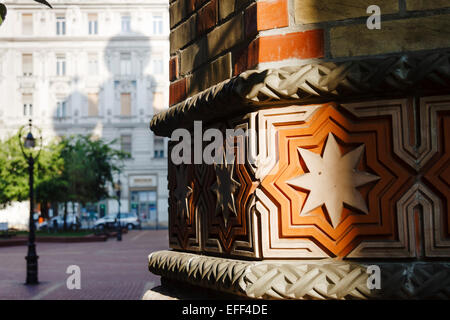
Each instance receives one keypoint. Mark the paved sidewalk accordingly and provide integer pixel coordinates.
(109, 270)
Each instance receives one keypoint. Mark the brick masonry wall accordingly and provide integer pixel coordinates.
(406, 25)
(213, 40)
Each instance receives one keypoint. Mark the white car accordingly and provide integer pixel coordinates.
(128, 220)
(57, 223)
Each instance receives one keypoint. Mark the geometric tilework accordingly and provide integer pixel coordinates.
(400, 211)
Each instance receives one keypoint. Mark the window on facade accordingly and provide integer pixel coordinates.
(93, 64)
(158, 147)
(93, 23)
(125, 63)
(125, 104)
(158, 102)
(27, 64)
(61, 65)
(92, 104)
(61, 109)
(125, 143)
(157, 24)
(126, 23)
(27, 101)
(157, 66)
(27, 24)
(60, 24)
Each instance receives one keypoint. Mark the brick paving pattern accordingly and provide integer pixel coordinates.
(110, 270)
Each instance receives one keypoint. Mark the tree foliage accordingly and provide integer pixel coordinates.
(89, 168)
(13, 172)
(75, 169)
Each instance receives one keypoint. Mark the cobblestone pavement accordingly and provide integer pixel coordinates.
(109, 270)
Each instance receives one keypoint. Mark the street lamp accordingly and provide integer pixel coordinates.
(31, 153)
(118, 192)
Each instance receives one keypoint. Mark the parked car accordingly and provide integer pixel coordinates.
(57, 223)
(127, 220)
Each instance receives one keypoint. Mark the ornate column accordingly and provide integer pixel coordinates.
(341, 180)
(339, 183)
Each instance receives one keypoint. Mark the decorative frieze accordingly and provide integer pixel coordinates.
(332, 163)
(328, 180)
(305, 280)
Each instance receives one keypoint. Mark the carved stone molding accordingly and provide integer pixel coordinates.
(302, 280)
(394, 76)
(352, 180)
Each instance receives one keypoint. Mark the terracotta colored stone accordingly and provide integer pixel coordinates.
(300, 45)
(173, 68)
(247, 58)
(199, 3)
(339, 239)
(190, 6)
(207, 17)
(272, 14)
(251, 21)
(177, 91)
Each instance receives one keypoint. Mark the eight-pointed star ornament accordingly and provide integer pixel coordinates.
(182, 191)
(224, 189)
(332, 180)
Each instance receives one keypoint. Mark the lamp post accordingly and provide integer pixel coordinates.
(31, 155)
(119, 228)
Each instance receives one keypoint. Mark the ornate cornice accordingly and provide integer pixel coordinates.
(319, 279)
(342, 81)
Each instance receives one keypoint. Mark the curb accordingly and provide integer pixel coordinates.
(48, 239)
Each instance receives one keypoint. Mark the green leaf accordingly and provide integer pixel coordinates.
(2, 13)
(44, 2)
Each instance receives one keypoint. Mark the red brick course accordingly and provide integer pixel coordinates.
(177, 91)
(207, 17)
(174, 70)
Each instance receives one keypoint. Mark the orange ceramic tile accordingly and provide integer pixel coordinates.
(272, 14)
(300, 45)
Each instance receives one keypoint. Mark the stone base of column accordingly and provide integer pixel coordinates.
(187, 275)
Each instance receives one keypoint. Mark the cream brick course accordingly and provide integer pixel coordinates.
(426, 4)
(183, 34)
(193, 56)
(226, 36)
(394, 36)
(313, 11)
(209, 75)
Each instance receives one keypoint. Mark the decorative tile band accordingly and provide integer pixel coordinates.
(356, 180)
(318, 279)
(396, 76)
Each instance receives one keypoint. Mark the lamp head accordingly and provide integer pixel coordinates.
(30, 141)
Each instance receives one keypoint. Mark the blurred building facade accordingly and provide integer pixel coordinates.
(93, 67)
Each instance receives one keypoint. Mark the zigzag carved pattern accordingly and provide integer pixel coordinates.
(184, 225)
(234, 237)
(393, 76)
(380, 196)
